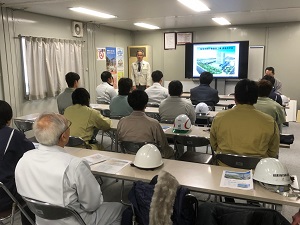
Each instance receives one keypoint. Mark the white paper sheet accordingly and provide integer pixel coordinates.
(95, 158)
(237, 180)
(111, 166)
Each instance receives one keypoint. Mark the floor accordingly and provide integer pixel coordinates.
(289, 156)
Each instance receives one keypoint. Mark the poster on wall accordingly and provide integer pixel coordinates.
(100, 54)
(115, 63)
(120, 62)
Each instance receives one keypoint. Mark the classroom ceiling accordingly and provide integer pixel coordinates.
(167, 14)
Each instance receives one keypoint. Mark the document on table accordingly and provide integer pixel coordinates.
(237, 180)
(165, 128)
(111, 166)
(95, 158)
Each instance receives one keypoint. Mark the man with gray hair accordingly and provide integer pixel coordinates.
(69, 181)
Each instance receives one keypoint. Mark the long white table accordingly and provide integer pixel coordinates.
(221, 97)
(195, 131)
(197, 177)
(155, 110)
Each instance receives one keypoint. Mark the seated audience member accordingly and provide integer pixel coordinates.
(204, 93)
(119, 105)
(156, 93)
(105, 91)
(174, 105)
(13, 144)
(69, 181)
(277, 84)
(273, 95)
(267, 105)
(64, 100)
(138, 127)
(244, 130)
(85, 119)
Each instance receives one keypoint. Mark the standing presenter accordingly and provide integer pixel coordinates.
(140, 72)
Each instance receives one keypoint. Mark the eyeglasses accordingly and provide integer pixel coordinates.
(69, 124)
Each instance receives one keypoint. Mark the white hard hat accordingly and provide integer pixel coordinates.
(202, 108)
(148, 157)
(272, 171)
(182, 124)
(285, 100)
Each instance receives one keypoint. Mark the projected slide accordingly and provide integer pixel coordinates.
(222, 60)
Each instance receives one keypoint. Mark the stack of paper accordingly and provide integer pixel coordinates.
(237, 180)
(96, 158)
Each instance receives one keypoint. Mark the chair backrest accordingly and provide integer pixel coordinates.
(105, 112)
(23, 125)
(238, 161)
(52, 212)
(116, 117)
(10, 213)
(191, 141)
(77, 141)
(130, 147)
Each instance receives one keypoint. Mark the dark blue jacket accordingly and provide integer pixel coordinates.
(204, 93)
(8, 161)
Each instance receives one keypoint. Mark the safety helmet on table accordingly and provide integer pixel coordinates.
(182, 124)
(202, 108)
(272, 171)
(148, 157)
(285, 100)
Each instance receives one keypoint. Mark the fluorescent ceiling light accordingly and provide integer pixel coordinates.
(221, 21)
(148, 26)
(92, 12)
(195, 5)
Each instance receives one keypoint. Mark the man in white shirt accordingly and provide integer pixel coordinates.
(140, 72)
(157, 92)
(69, 181)
(106, 91)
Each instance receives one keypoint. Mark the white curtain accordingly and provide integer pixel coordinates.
(47, 62)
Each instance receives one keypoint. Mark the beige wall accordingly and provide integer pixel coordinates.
(281, 43)
(29, 24)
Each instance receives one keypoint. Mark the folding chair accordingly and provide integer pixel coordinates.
(130, 147)
(23, 125)
(52, 212)
(238, 161)
(9, 214)
(191, 155)
(77, 141)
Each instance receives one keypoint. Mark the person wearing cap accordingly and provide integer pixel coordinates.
(157, 92)
(174, 105)
(267, 105)
(243, 130)
(140, 72)
(138, 127)
(204, 93)
(52, 175)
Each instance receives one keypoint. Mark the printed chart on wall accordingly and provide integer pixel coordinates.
(115, 63)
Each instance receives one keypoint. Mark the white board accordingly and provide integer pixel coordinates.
(256, 62)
